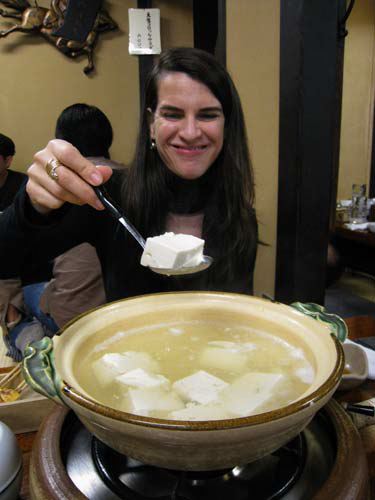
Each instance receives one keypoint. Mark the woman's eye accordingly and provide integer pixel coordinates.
(172, 116)
(204, 116)
(208, 116)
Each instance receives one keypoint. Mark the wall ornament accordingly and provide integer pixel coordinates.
(72, 26)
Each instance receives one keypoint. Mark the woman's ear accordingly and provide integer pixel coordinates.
(151, 122)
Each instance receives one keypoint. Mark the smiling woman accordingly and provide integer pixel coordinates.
(187, 125)
(191, 174)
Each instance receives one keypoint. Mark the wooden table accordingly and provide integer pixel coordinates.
(25, 442)
(366, 238)
(356, 248)
(359, 326)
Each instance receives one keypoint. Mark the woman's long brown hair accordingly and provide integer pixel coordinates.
(230, 227)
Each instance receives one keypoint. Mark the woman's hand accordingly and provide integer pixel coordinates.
(75, 175)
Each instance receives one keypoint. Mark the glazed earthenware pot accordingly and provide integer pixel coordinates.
(192, 445)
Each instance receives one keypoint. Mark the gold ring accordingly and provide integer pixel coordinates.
(51, 166)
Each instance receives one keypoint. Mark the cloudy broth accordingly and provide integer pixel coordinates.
(236, 363)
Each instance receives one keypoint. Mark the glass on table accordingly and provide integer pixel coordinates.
(343, 209)
(371, 215)
(359, 210)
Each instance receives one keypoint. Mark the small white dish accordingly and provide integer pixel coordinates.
(356, 367)
(371, 226)
(362, 226)
(346, 203)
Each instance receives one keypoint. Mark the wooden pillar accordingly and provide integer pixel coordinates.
(311, 51)
(210, 27)
(145, 63)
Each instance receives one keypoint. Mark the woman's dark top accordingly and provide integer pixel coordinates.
(12, 185)
(45, 238)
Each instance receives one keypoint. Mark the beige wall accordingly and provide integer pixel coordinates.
(176, 22)
(253, 60)
(37, 81)
(358, 98)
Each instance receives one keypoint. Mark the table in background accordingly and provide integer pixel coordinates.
(356, 248)
(359, 326)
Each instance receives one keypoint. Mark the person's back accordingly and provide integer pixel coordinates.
(10, 180)
(77, 280)
(76, 285)
(11, 300)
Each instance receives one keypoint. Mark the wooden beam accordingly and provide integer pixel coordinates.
(309, 137)
(221, 41)
(146, 62)
(371, 190)
(210, 27)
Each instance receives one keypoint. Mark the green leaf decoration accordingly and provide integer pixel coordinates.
(38, 367)
(336, 324)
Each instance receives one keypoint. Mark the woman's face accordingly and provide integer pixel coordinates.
(187, 125)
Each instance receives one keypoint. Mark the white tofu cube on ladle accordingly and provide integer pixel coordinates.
(172, 251)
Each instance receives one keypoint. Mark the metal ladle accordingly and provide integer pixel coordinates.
(120, 217)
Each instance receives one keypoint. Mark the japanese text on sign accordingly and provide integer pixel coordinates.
(144, 31)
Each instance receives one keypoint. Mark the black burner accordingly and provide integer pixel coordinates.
(268, 478)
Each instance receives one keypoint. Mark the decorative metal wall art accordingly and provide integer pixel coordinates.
(73, 35)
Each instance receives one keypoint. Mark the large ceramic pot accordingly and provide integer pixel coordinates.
(192, 445)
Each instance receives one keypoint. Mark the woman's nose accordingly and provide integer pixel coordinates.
(190, 128)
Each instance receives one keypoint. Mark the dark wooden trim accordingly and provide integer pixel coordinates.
(209, 18)
(371, 190)
(205, 19)
(221, 41)
(343, 14)
(308, 138)
(145, 63)
(289, 148)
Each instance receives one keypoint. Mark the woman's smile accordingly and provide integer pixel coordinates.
(189, 151)
(187, 125)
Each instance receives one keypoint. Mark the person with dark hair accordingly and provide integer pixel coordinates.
(76, 285)
(87, 127)
(10, 180)
(191, 174)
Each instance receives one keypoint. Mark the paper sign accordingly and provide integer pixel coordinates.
(144, 31)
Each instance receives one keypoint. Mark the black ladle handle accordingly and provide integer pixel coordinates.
(109, 205)
(116, 213)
